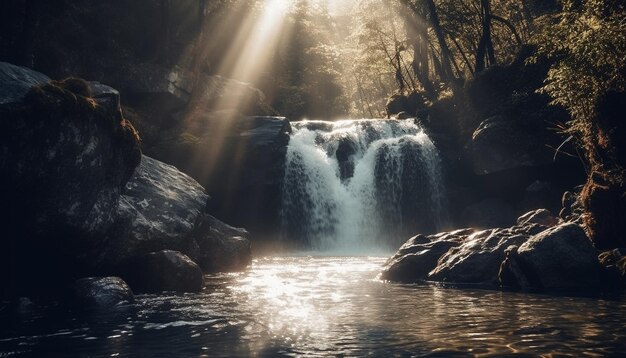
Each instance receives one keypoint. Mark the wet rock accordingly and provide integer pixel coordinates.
(540, 216)
(158, 210)
(560, 258)
(164, 271)
(101, 292)
(477, 260)
(419, 255)
(164, 209)
(221, 247)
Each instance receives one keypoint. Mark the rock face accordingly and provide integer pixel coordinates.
(67, 156)
(164, 209)
(101, 292)
(158, 210)
(540, 216)
(173, 89)
(245, 170)
(71, 153)
(530, 255)
(500, 144)
(17, 81)
(221, 247)
(165, 271)
(561, 257)
(65, 159)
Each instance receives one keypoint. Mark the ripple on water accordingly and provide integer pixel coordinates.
(321, 306)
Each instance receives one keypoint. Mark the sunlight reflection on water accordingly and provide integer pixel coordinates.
(328, 306)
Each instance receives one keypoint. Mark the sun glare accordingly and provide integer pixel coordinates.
(275, 6)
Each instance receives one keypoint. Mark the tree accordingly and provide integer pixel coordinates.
(485, 46)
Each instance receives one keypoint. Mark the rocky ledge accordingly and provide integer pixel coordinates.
(81, 200)
(541, 252)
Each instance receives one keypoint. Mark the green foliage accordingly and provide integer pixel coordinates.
(588, 42)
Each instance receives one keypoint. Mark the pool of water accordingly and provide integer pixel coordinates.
(324, 306)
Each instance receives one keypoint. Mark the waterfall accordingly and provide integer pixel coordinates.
(361, 185)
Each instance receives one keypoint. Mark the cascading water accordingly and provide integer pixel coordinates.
(361, 185)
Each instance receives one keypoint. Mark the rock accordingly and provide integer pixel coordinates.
(540, 216)
(164, 209)
(404, 115)
(500, 144)
(419, 255)
(251, 197)
(65, 159)
(164, 271)
(173, 89)
(477, 260)
(560, 258)
(153, 83)
(397, 103)
(158, 210)
(222, 248)
(489, 213)
(464, 256)
(572, 209)
(16, 81)
(101, 292)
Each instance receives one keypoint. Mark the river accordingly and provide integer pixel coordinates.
(324, 306)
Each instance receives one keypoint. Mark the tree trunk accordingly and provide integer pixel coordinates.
(417, 33)
(485, 46)
(446, 55)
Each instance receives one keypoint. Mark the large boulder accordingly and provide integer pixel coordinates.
(158, 210)
(244, 170)
(66, 153)
(419, 255)
(17, 81)
(538, 253)
(540, 216)
(500, 144)
(477, 260)
(177, 88)
(164, 271)
(560, 258)
(164, 209)
(101, 292)
(221, 247)
(67, 156)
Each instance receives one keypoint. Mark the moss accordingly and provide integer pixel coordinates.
(69, 100)
(78, 86)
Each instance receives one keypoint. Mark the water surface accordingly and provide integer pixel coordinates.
(324, 306)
